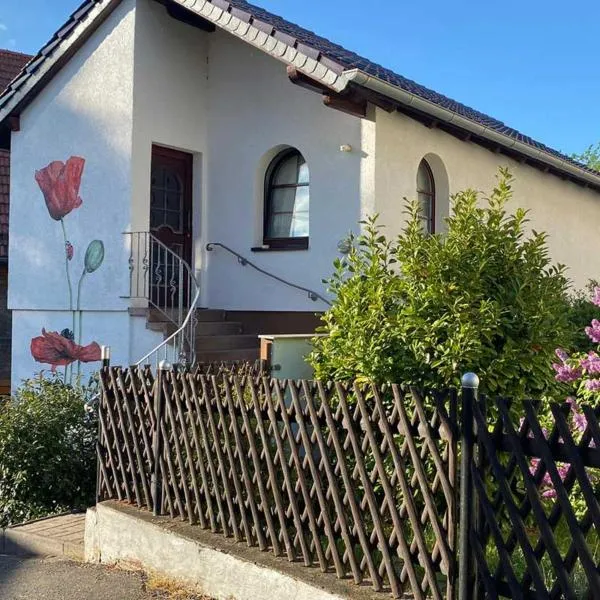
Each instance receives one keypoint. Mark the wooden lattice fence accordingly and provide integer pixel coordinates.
(359, 481)
(362, 481)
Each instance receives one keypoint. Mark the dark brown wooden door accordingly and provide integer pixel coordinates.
(170, 222)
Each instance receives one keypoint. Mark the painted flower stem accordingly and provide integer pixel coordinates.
(62, 222)
(80, 316)
(68, 272)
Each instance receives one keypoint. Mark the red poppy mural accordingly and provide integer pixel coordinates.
(59, 183)
(55, 349)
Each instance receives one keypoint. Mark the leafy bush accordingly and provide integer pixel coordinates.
(423, 309)
(47, 451)
(581, 312)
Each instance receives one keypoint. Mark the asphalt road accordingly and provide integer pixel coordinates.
(58, 579)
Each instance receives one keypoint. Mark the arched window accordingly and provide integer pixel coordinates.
(287, 199)
(426, 195)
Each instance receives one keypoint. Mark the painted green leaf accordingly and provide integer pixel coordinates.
(94, 256)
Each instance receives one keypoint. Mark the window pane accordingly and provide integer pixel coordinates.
(301, 212)
(173, 200)
(173, 220)
(425, 204)
(303, 174)
(280, 225)
(156, 218)
(283, 200)
(287, 171)
(424, 182)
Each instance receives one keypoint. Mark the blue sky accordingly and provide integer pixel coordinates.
(530, 63)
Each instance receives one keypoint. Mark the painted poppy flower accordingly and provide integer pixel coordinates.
(60, 184)
(54, 349)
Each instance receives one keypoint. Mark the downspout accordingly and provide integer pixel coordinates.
(442, 114)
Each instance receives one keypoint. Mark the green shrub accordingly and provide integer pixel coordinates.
(423, 309)
(581, 312)
(47, 451)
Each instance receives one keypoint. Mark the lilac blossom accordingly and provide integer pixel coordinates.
(566, 373)
(596, 298)
(592, 385)
(562, 355)
(591, 363)
(593, 332)
(579, 419)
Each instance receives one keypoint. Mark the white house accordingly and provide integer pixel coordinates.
(152, 124)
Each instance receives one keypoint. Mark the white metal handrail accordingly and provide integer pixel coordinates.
(163, 279)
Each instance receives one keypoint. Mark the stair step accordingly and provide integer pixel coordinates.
(162, 326)
(226, 342)
(210, 314)
(204, 328)
(247, 354)
(157, 316)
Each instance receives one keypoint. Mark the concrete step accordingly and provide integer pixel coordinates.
(226, 342)
(53, 536)
(210, 314)
(204, 328)
(247, 354)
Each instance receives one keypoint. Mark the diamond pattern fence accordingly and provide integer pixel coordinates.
(362, 481)
(355, 480)
(536, 525)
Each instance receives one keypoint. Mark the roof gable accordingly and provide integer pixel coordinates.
(318, 58)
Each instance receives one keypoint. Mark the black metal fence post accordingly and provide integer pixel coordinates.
(156, 483)
(470, 386)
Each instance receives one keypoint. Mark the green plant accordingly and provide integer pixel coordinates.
(581, 312)
(423, 309)
(47, 450)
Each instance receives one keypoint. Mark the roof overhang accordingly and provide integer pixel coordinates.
(438, 113)
(328, 76)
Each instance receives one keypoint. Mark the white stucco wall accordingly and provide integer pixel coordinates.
(231, 105)
(568, 212)
(85, 111)
(254, 108)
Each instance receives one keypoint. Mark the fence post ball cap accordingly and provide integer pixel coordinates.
(164, 365)
(470, 380)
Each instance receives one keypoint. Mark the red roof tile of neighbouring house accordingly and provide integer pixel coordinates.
(11, 64)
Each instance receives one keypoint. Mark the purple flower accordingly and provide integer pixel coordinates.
(566, 373)
(579, 419)
(592, 363)
(593, 332)
(596, 298)
(562, 355)
(592, 385)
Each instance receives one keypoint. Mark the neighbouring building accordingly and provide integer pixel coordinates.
(11, 64)
(163, 149)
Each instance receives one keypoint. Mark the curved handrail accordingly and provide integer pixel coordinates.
(184, 328)
(180, 331)
(314, 296)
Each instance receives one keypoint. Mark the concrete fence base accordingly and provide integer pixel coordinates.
(211, 564)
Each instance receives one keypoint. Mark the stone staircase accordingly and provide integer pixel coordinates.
(217, 338)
